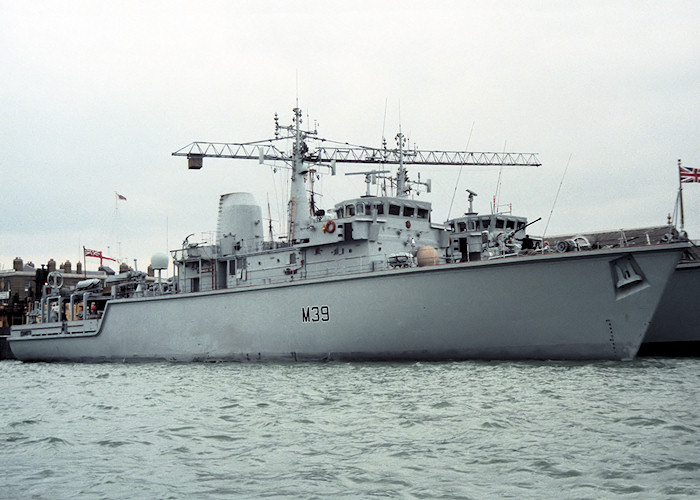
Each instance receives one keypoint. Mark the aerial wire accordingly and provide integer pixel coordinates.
(556, 197)
(498, 183)
(386, 104)
(469, 139)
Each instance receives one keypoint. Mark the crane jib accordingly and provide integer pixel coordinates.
(196, 151)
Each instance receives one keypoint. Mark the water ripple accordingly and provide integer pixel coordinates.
(349, 430)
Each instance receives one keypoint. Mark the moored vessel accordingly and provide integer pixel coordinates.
(675, 327)
(375, 279)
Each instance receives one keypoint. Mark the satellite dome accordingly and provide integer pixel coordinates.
(159, 261)
(427, 256)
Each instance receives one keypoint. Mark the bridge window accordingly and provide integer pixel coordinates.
(350, 209)
(409, 211)
(462, 226)
(394, 210)
(380, 209)
(500, 223)
(423, 213)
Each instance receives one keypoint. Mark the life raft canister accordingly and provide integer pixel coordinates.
(329, 226)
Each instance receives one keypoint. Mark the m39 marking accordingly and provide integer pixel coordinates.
(315, 314)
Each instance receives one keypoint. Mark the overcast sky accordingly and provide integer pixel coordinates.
(96, 96)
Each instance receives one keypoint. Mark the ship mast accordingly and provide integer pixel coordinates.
(300, 214)
(402, 175)
(299, 210)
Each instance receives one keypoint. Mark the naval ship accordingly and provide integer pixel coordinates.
(373, 278)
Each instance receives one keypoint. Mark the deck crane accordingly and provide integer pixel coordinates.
(302, 157)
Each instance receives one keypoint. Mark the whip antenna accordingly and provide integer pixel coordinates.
(496, 196)
(557, 196)
(459, 174)
(386, 101)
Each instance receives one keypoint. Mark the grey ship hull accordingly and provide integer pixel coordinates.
(675, 327)
(562, 306)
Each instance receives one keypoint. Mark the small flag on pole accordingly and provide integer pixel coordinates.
(690, 174)
(120, 197)
(97, 254)
(92, 253)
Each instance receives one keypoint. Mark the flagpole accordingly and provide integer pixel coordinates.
(680, 193)
(116, 224)
(117, 198)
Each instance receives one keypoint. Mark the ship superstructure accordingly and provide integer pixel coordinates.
(365, 234)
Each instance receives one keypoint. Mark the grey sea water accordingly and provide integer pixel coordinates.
(351, 430)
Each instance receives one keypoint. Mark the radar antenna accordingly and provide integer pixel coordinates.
(472, 194)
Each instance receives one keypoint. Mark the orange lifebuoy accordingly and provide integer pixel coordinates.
(329, 227)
